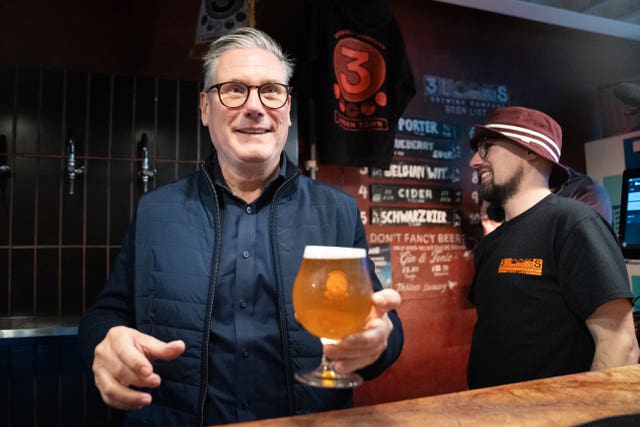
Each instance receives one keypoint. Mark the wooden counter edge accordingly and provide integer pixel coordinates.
(558, 401)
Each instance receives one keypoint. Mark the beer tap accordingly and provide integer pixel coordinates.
(146, 174)
(72, 171)
(4, 168)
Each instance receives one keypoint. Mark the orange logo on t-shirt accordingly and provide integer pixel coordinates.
(530, 266)
(360, 71)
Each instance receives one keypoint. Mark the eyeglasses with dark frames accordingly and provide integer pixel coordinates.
(483, 148)
(235, 94)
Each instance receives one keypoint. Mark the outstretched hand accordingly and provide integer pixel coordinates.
(355, 351)
(122, 359)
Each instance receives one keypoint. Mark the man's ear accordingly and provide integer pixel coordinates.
(204, 108)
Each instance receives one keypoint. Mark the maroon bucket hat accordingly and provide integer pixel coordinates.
(532, 129)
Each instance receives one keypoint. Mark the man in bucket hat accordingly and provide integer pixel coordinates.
(550, 284)
(541, 135)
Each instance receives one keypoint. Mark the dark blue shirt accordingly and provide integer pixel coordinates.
(245, 346)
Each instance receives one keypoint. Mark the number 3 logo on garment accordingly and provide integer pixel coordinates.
(360, 71)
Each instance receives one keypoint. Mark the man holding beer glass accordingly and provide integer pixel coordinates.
(196, 324)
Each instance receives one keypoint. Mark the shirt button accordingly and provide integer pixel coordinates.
(243, 304)
(245, 405)
(245, 354)
(245, 254)
(249, 210)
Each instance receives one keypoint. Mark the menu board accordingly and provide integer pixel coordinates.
(413, 211)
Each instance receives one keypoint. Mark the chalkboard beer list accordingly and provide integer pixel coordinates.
(412, 212)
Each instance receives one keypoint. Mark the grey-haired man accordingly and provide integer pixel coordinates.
(196, 324)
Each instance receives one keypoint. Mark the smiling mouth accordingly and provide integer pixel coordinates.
(485, 176)
(253, 131)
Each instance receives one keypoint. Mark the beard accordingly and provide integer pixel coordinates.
(499, 193)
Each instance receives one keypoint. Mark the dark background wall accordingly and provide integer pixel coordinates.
(551, 67)
(142, 37)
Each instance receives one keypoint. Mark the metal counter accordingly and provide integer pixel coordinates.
(38, 326)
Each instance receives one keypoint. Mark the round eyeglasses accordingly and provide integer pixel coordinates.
(235, 94)
(483, 148)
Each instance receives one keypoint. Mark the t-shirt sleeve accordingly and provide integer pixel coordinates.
(591, 267)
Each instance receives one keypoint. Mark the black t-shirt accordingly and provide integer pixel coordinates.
(538, 277)
(361, 81)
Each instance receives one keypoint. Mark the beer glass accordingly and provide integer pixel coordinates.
(331, 299)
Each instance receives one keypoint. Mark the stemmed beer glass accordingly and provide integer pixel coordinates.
(331, 299)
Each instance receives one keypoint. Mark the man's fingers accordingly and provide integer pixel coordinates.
(123, 359)
(116, 392)
(353, 358)
(124, 398)
(358, 350)
(137, 350)
(385, 300)
(156, 349)
(120, 373)
(137, 369)
(120, 353)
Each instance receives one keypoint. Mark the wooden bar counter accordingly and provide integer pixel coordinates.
(559, 401)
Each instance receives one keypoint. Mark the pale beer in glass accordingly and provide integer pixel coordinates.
(332, 298)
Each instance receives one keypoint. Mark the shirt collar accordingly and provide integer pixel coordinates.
(218, 179)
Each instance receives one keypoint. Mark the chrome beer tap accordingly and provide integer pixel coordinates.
(4, 168)
(146, 173)
(72, 171)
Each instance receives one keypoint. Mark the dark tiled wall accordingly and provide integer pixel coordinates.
(56, 248)
(42, 383)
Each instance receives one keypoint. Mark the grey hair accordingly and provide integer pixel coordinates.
(243, 38)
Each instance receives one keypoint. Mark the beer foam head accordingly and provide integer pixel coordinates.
(333, 252)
